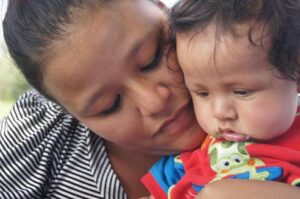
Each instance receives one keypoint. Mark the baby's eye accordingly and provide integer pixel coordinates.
(113, 108)
(202, 94)
(242, 92)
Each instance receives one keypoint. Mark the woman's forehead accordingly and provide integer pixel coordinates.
(100, 34)
(131, 20)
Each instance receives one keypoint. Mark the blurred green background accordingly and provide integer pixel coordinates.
(12, 83)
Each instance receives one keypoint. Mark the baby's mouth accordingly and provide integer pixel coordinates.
(232, 136)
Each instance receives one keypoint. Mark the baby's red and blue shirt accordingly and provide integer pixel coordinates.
(184, 175)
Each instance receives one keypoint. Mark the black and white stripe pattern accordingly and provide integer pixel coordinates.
(46, 153)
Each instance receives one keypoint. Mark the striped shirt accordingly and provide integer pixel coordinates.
(47, 153)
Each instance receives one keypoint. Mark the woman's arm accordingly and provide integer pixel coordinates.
(249, 189)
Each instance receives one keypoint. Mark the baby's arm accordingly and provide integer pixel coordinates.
(248, 189)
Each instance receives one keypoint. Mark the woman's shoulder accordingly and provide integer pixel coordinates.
(37, 139)
(46, 152)
(31, 102)
(33, 114)
(36, 124)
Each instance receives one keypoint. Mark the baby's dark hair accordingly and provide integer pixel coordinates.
(31, 26)
(280, 17)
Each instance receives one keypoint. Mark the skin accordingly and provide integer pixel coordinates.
(108, 54)
(230, 79)
(236, 189)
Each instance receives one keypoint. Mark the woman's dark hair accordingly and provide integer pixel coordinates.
(280, 17)
(31, 26)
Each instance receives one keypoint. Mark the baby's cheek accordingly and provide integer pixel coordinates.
(267, 126)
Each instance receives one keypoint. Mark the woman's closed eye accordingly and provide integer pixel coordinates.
(113, 108)
(157, 57)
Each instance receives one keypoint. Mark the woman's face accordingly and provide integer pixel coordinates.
(112, 74)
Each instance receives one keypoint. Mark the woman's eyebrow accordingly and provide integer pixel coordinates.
(88, 103)
(141, 41)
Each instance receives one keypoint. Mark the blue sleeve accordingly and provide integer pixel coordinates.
(167, 172)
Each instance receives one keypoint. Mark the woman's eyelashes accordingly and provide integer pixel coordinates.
(155, 61)
(157, 57)
(113, 108)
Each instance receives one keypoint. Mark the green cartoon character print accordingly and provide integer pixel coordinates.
(231, 158)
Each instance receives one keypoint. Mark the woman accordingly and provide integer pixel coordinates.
(116, 106)
(105, 64)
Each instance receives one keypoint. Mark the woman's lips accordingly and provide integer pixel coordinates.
(183, 118)
(233, 136)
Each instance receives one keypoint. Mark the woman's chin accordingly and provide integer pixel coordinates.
(189, 142)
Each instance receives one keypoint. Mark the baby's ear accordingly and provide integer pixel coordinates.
(161, 5)
(172, 61)
(173, 65)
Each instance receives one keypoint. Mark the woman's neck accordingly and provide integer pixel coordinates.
(130, 166)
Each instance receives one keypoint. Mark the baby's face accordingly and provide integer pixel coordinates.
(237, 93)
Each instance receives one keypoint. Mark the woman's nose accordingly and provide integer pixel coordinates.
(224, 109)
(151, 97)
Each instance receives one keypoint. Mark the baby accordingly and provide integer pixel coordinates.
(240, 61)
